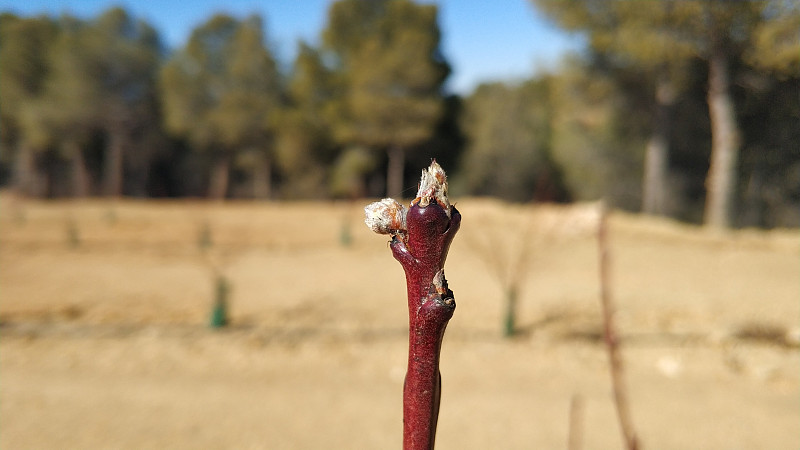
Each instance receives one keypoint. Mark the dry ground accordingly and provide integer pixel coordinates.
(104, 343)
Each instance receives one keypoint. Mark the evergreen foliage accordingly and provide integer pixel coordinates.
(687, 109)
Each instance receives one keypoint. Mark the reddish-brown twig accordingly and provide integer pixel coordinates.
(611, 338)
(421, 238)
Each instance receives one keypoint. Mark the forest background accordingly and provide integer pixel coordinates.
(686, 109)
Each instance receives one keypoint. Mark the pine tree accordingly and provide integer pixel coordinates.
(24, 69)
(388, 60)
(220, 93)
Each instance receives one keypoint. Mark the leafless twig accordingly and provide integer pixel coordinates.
(611, 337)
(421, 237)
(575, 436)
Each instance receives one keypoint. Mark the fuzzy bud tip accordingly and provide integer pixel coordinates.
(385, 217)
(433, 186)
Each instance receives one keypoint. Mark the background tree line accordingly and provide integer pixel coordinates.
(689, 109)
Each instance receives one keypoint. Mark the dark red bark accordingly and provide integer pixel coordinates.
(422, 251)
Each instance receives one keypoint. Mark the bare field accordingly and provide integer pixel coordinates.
(104, 340)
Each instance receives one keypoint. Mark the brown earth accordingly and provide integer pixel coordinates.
(104, 340)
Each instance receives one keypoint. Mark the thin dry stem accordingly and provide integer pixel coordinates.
(612, 339)
(508, 264)
(575, 436)
(509, 254)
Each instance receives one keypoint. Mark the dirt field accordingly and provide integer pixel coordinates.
(104, 342)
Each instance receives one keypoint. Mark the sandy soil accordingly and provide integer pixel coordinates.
(104, 342)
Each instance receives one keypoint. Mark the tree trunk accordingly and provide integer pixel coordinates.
(262, 187)
(220, 173)
(394, 172)
(137, 180)
(721, 179)
(27, 181)
(114, 165)
(753, 205)
(656, 163)
(80, 173)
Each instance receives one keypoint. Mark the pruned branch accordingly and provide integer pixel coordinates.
(421, 237)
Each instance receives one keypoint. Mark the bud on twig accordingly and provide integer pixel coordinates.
(421, 238)
(386, 217)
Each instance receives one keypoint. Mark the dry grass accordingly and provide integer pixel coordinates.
(104, 343)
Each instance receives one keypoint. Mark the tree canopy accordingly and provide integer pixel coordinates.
(387, 58)
(660, 39)
(687, 109)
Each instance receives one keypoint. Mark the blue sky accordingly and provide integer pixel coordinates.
(482, 40)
